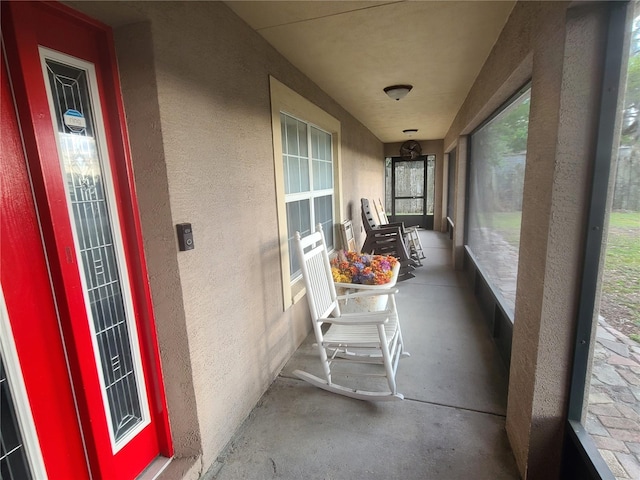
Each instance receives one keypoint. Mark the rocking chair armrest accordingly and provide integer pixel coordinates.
(394, 224)
(361, 318)
(387, 230)
(368, 293)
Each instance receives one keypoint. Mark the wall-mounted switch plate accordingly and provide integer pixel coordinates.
(185, 236)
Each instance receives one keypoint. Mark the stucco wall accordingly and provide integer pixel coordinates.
(196, 92)
(559, 47)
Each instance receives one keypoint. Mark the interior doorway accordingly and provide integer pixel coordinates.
(410, 190)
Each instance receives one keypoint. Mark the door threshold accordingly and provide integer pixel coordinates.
(154, 469)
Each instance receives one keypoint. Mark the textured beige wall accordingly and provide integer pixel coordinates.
(196, 92)
(139, 91)
(561, 50)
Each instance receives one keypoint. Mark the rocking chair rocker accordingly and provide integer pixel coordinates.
(372, 337)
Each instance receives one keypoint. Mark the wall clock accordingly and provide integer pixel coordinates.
(410, 149)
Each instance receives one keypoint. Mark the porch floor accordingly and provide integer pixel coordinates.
(451, 424)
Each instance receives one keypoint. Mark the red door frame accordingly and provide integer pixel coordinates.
(32, 310)
(25, 25)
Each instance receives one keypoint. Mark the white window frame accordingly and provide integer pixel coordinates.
(312, 193)
(285, 100)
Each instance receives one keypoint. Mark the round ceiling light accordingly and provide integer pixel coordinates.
(397, 91)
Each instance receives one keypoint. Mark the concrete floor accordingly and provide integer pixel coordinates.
(450, 425)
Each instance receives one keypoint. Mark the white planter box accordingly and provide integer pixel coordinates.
(366, 304)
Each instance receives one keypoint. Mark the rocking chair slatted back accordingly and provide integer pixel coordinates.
(316, 271)
(369, 217)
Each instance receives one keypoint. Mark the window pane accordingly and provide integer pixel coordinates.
(283, 130)
(314, 143)
(298, 220)
(304, 175)
(293, 175)
(286, 169)
(323, 209)
(498, 156)
(302, 139)
(292, 136)
(322, 165)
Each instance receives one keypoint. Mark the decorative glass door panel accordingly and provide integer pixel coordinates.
(74, 272)
(13, 457)
(71, 88)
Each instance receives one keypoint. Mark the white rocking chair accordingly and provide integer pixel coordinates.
(352, 338)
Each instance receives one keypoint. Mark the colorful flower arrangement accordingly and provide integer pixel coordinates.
(352, 267)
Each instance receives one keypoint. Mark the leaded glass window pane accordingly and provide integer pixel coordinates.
(13, 457)
(89, 205)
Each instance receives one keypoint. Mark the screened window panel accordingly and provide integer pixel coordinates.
(410, 179)
(451, 180)
(323, 207)
(609, 373)
(409, 206)
(387, 182)
(431, 183)
(496, 180)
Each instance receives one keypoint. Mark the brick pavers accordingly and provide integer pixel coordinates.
(613, 415)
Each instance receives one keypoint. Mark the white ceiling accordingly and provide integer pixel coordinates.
(353, 49)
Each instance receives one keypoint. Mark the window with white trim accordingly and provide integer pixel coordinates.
(308, 181)
(307, 168)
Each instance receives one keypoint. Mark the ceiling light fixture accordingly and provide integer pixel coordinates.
(398, 91)
(410, 131)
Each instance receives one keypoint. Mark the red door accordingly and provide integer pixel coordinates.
(87, 346)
